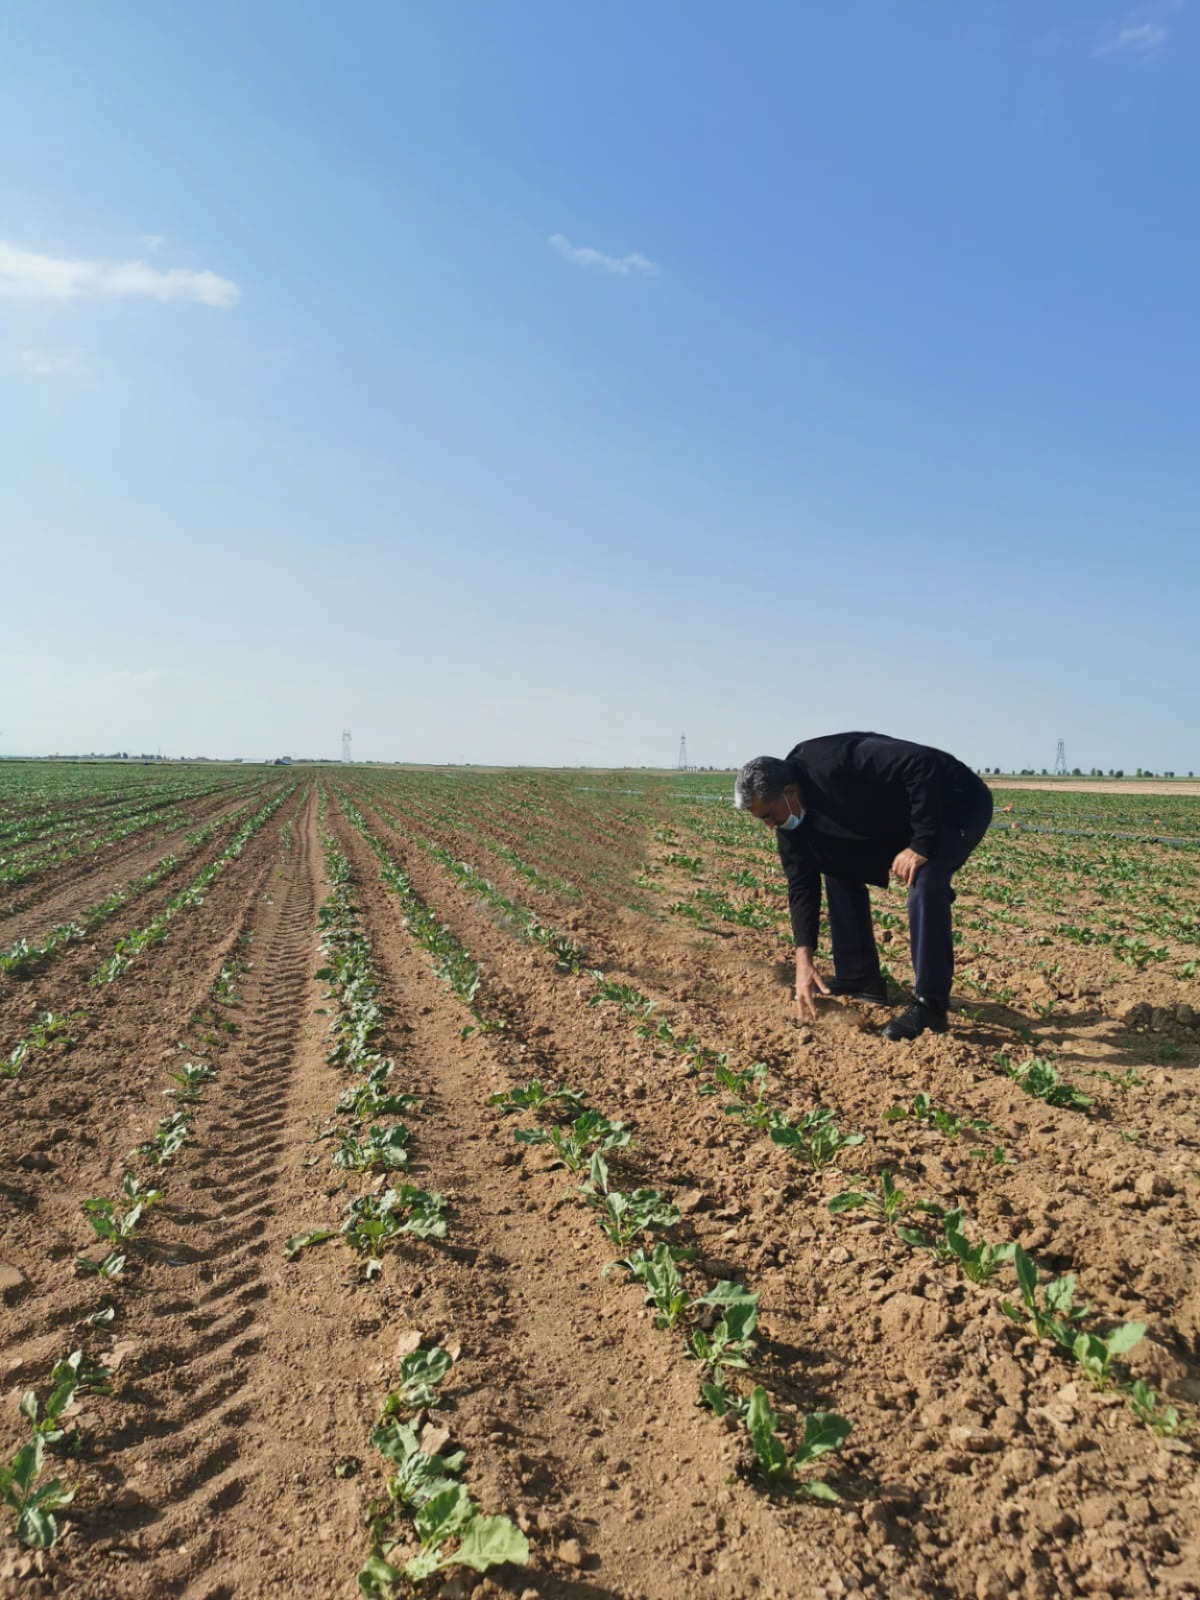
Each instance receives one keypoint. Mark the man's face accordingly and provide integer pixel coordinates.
(774, 813)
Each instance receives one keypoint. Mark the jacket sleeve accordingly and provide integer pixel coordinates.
(804, 892)
(916, 767)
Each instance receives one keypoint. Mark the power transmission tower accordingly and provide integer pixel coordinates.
(346, 746)
(1060, 760)
(682, 763)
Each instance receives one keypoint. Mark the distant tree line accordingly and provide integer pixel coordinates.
(1078, 772)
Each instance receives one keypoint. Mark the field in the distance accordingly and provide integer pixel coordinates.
(266, 1038)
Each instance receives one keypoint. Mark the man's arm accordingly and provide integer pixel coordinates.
(804, 892)
(804, 904)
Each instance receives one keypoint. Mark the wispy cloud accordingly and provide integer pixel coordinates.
(152, 241)
(25, 275)
(1134, 39)
(631, 266)
(47, 363)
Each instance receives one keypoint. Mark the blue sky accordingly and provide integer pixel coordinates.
(534, 382)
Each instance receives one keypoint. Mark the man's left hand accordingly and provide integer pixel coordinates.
(906, 866)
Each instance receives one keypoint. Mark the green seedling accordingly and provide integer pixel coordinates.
(168, 1140)
(383, 1150)
(70, 1376)
(372, 1099)
(815, 1139)
(483, 1543)
(938, 1244)
(1058, 1317)
(625, 1217)
(1131, 1078)
(535, 1095)
(1042, 1080)
(108, 1222)
(571, 1145)
(924, 1110)
(305, 1241)
(420, 1373)
(823, 1431)
(225, 990)
(993, 1157)
(1095, 1355)
(659, 1274)
(889, 1205)
(375, 1220)
(112, 1265)
(981, 1261)
(36, 1524)
(596, 1185)
(629, 999)
(729, 1344)
(419, 1475)
(661, 1031)
(17, 956)
(568, 955)
(51, 1027)
(748, 1087)
(1164, 1420)
(190, 1082)
(1138, 954)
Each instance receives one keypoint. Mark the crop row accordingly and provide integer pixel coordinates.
(361, 1140)
(425, 1496)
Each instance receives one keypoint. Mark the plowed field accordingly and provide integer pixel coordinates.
(706, 1315)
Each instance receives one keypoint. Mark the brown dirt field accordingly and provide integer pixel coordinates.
(980, 1465)
(981, 1462)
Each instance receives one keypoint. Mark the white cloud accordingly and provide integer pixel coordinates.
(47, 363)
(1136, 39)
(631, 266)
(152, 241)
(25, 275)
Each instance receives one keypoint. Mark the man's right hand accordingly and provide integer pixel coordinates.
(809, 984)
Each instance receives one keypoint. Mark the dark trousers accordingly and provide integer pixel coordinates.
(852, 936)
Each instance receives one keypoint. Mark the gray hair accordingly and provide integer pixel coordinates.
(764, 778)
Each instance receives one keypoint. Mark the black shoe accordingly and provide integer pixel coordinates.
(915, 1019)
(873, 990)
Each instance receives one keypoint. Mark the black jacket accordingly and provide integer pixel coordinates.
(866, 797)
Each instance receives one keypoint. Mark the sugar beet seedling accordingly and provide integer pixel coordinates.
(450, 1528)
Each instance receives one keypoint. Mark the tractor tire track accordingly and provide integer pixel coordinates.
(215, 1450)
(68, 1122)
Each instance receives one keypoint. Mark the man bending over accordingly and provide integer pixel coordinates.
(847, 808)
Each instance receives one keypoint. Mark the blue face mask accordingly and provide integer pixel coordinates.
(793, 821)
